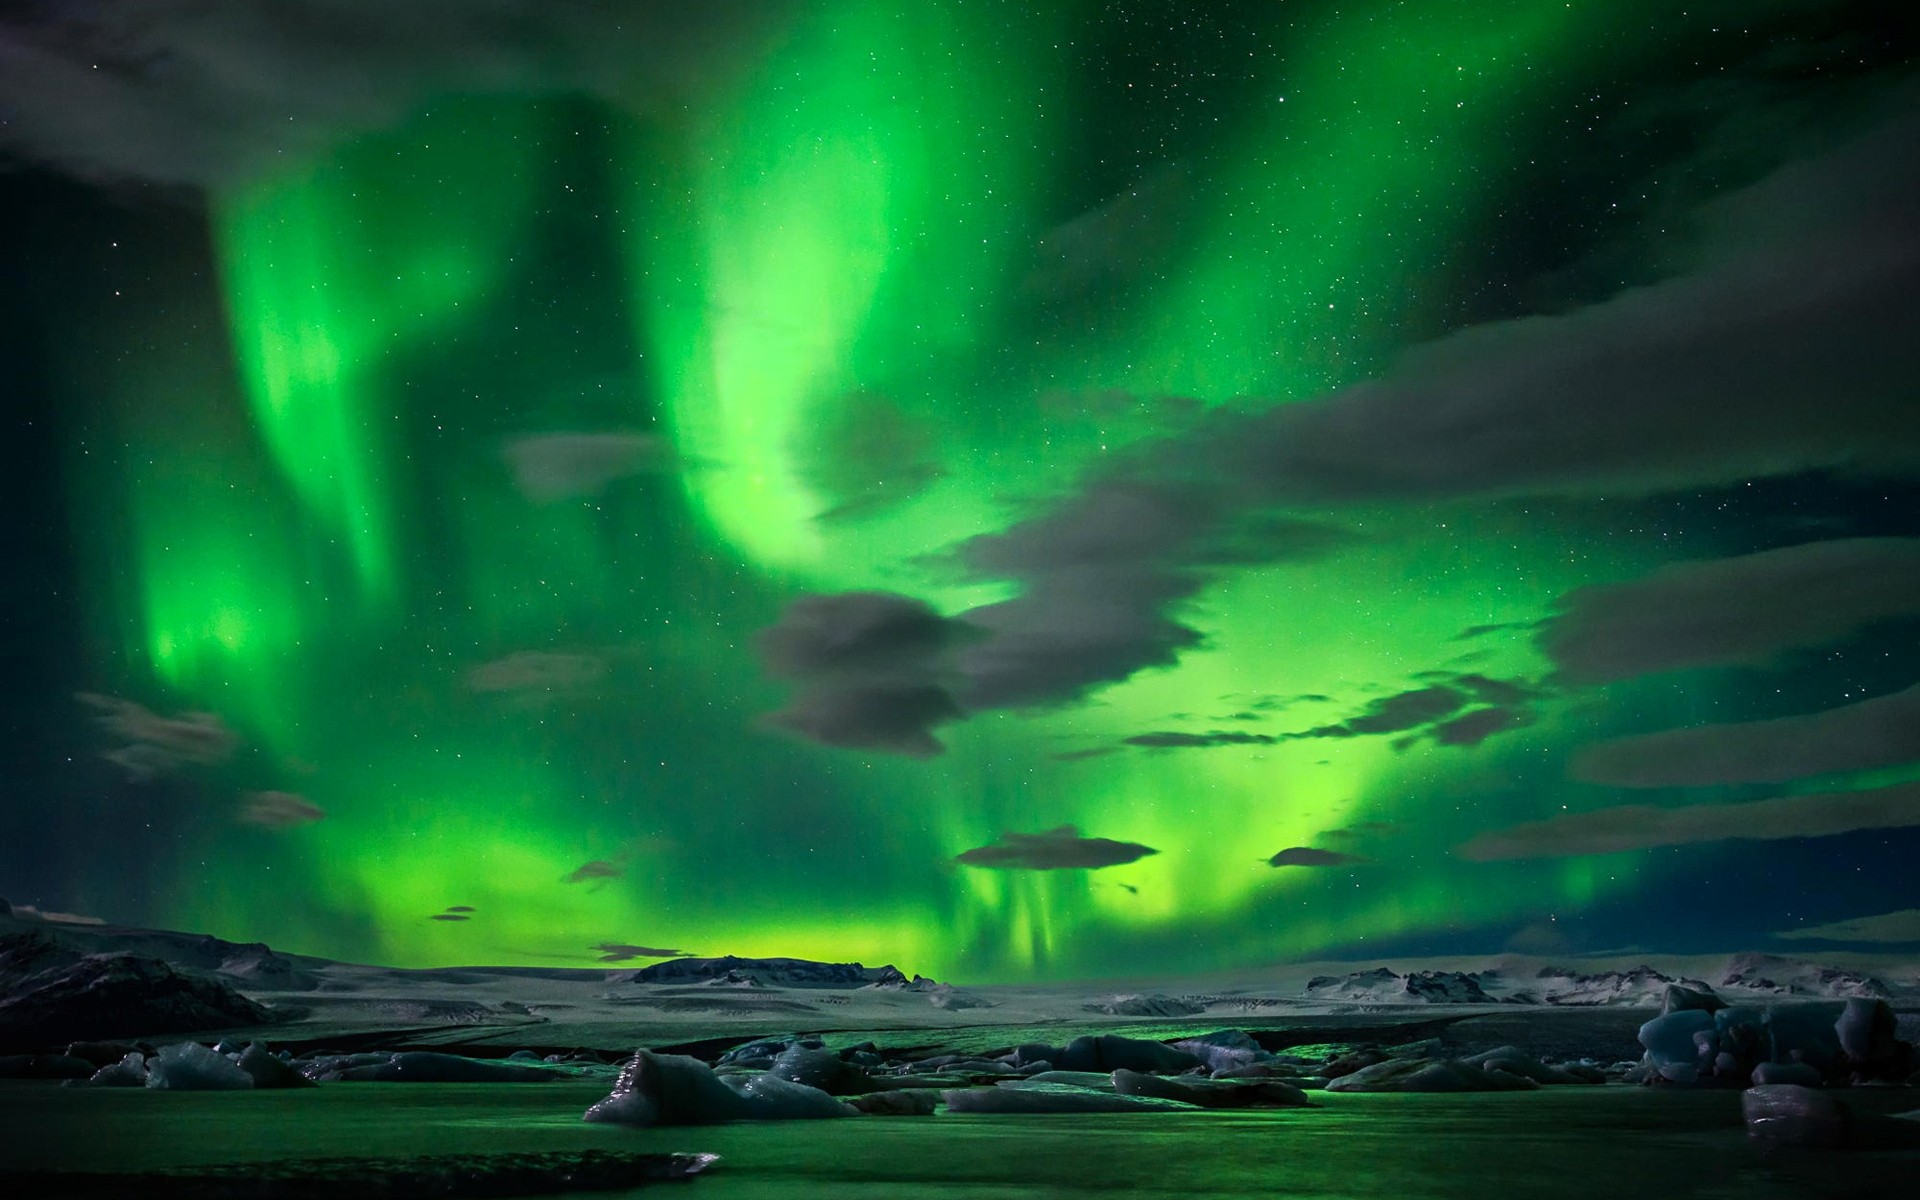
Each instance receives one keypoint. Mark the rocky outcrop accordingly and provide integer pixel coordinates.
(53, 995)
(1382, 986)
(768, 972)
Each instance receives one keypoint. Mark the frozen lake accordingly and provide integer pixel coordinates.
(1564, 1143)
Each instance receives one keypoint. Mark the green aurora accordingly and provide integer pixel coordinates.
(907, 279)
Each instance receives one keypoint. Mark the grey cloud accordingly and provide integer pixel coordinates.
(1902, 926)
(1100, 574)
(1472, 728)
(1744, 610)
(1363, 829)
(530, 672)
(158, 745)
(27, 912)
(1881, 732)
(599, 868)
(459, 908)
(449, 916)
(1786, 347)
(871, 670)
(1395, 714)
(1307, 856)
(1472, 632)
(550, 467)
(897, 720)
(1057, 849)
(1641, 827)
(1090, 752)
(279, 810)
(1166, 740)
(206, 94)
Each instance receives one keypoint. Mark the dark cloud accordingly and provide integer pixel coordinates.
(197, 93)
(1307, 856)
(1473, 632)
(598, 868)
(1177, 740)
(872, 671)
(1902, 926)
(897, 720)
(1784, 346)
(1472, 728)
(1428, 712)
(1640, 826)
(551, 467)
(1881, 732)
(1098, 577)
(1090, 752)
(1360, 830)
(536, 672)
(1057, 849)
(279, 810)
(1505, 692)
(1732, 610)
(619, 952)
(1395, 714)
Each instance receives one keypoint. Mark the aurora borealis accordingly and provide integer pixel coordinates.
(814, 479)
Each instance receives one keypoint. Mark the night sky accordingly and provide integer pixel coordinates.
(1018, 490)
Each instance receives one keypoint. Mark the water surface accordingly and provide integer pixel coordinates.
(1576, 1142)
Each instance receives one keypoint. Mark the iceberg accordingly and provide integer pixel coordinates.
(770, 1098)
(191, 1067)
(667, 1089)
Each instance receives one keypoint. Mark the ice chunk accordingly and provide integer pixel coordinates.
(1427, 1075)
(1209, 1093)
(130, 1071)
(766, 1048)
(815, 1067)
(1108, 1051)
(191, 1067)
(1515, 1061)
(771, 1098)
(667, 1089)
(1791, 1115)
(1028, 1053)
(1224, 1050)
(1101, 1081)
(268, 1071)
(1670, 1039)
(896, 1103)
(1865, 1030)
(1052, 1098)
